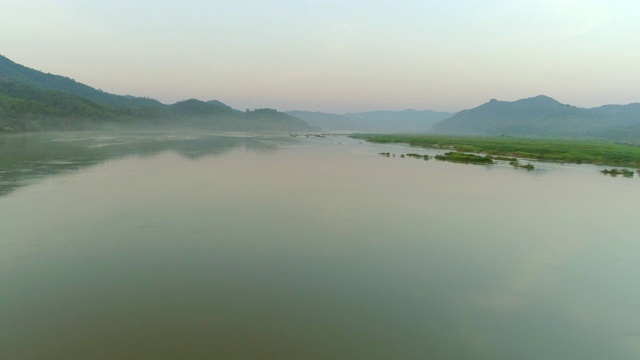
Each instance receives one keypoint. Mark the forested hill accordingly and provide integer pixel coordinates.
(11, 71)
(542, 116)
(32, 100)
(27, 108)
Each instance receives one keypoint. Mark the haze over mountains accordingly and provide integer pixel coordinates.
(543, 116)
(406, 121)
(31, 100)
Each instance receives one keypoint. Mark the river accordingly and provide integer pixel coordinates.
(197, 246)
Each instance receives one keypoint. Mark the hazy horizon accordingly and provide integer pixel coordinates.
(332, 56)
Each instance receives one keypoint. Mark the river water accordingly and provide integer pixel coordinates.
(200, 246)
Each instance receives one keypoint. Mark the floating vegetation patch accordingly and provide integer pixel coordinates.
(411, 155)
(616, 172)
(417, 156)
(464, 158)
(516, 164)
(527, 167)
(314, 135)
(459, 157)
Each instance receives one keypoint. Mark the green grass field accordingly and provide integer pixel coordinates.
(556, 150)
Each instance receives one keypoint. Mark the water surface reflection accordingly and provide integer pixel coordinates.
(26, 157)
(313, 248)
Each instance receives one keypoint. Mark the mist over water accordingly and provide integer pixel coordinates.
(187, 245)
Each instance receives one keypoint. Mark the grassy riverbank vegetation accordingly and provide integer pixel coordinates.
(556, 150)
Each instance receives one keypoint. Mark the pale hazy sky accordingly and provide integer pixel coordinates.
(335, 56)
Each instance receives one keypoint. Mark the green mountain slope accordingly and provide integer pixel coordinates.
(625, 115)
(31, 100)
(193, 108)
(538, 116)
(27, 108)
(216, 115)
(11, 71)
(265, 119)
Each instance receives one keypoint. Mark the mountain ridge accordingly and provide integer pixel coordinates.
(540, 116)
(32, 100)
(10, 70)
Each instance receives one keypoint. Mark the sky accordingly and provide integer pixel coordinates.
(335, 55)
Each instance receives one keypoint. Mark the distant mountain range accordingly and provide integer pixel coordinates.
(31, 100)
(405, 121)
(542, 116)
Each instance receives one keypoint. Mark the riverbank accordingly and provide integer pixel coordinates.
(554, 150)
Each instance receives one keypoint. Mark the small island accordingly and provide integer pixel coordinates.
(460, 157)
(615, 172)
(516, 164)
(417, 156)
(402, 156)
